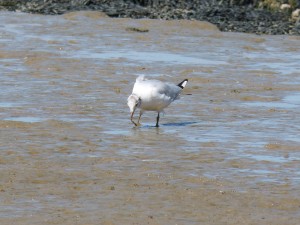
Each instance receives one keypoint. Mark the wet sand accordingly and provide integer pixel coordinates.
(226, 153)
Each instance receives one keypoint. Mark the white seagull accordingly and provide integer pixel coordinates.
(152, 95)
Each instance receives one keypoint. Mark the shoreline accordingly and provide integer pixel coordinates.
(228, 17)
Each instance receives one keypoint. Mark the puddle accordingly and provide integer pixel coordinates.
(148, 57)
(293, 99)
(288, 102)
(25, 119)
(280, 105)
(269, 158)
(7, 104)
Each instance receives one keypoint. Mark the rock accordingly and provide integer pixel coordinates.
(296, 14)
(285, 6)
(136, 29)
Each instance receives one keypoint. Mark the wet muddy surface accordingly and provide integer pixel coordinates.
(226, 153)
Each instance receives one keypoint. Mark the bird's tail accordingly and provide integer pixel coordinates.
(183, 83)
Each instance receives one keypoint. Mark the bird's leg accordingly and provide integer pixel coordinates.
(157, 120)
(138, 122)
(134, 123)
(131, 118)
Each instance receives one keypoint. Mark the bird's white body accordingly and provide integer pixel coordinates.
(153, 95)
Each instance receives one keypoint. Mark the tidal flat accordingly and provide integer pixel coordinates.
(227, 152)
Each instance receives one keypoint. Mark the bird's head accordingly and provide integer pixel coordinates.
(133, 102)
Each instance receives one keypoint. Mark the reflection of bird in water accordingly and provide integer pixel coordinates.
(152, 95)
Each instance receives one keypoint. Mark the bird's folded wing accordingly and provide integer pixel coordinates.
(169, 90)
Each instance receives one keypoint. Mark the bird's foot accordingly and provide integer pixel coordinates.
(135, 124)
(138, 124)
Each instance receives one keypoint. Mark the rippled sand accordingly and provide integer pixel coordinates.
(226, 153)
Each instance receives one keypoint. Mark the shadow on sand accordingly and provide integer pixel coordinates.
(179, 124)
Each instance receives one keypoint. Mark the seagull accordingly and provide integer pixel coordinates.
(152, 95)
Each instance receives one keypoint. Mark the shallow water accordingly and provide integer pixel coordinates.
(227, 152)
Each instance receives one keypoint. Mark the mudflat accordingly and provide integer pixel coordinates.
(227, 152)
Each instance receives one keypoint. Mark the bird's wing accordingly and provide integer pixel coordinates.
(169, 90)
(155, 89)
